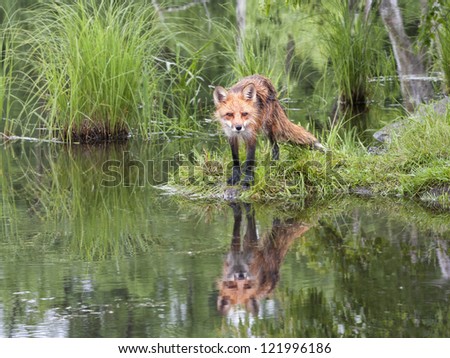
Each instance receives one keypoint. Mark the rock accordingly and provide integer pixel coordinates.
(362, 191)
(384, 135)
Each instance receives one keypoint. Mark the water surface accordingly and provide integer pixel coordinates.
(88, 250)
(78, 259)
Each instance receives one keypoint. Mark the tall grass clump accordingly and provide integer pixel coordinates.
(89, 60)
(183, 90)
(350, 42)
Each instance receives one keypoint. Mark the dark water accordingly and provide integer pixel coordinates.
(78, 259)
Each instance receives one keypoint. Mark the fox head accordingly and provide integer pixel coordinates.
(242, 291)
(240, 284)
(236, 110)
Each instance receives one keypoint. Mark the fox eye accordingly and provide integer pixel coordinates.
(229, 114)
(244, 114)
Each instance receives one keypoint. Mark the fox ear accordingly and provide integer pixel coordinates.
(220, 95)
(249, 92)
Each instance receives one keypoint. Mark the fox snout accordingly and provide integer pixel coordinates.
(241, 275)
(235, 127)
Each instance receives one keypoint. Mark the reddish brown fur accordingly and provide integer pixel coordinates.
(266, 112)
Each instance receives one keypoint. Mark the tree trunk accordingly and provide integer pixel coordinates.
(367, 8)
(415, 86)
(240, 19)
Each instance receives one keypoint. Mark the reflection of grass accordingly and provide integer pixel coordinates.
(66, 198)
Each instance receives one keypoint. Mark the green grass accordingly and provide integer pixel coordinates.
(104, 70)
(100, 70)
(351, 44)
(182, 89)
(3, 82)
(414, 164)
(6, 62)
(444, 46)
(89, 59)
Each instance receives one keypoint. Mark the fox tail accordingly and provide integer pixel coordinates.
(294, 134)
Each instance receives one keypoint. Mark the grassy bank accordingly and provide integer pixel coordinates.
(414, 164)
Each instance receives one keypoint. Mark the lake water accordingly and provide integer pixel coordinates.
(82, 259)
(92, 246)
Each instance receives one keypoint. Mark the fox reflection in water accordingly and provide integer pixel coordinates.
(251, 268)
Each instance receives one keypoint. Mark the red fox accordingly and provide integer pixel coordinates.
(246, 108)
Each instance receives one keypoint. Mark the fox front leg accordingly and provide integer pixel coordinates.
(236, 171)
(249, 164)
(275, 148)
(273, 144)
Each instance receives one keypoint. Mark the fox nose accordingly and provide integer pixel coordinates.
(240, 275)
(238, 127)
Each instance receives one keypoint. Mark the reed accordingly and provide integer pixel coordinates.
(89, 59)
(3, 80)
(5, 61)
(351, 44)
